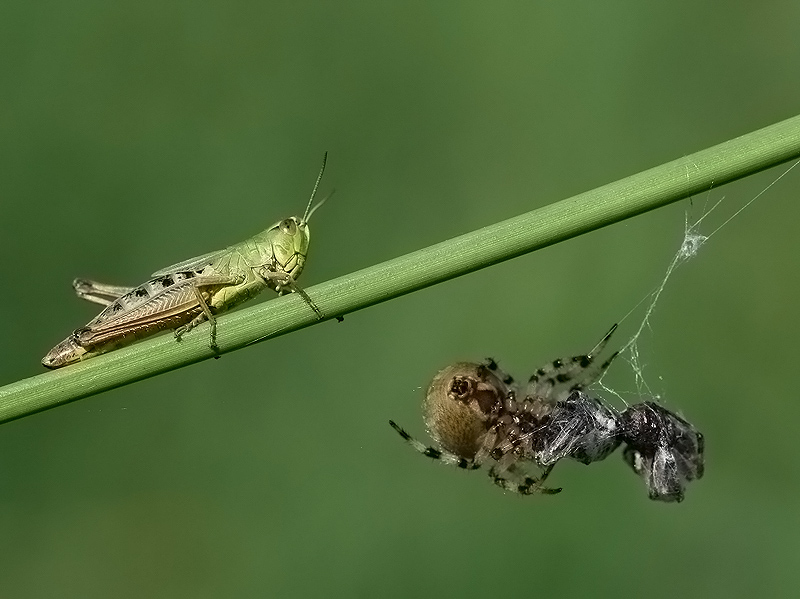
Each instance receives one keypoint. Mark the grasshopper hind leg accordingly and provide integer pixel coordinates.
(202, 303)
(206, 314)
(99, 293)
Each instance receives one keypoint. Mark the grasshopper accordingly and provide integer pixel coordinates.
(188, 293)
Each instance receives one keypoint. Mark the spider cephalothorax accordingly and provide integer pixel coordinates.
(477, 415)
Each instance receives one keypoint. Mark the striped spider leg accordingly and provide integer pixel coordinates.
(558, 379)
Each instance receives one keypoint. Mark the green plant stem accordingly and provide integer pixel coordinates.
(545, 226)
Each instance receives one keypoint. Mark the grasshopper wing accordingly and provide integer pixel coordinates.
(191, 264)
(166, 309)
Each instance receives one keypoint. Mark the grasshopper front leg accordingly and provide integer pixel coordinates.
(283, 281)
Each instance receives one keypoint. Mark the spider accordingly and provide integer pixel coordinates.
(478, 416)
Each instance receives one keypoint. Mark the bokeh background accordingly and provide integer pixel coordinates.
(133, 135)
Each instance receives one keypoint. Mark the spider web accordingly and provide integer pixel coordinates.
(692, 241)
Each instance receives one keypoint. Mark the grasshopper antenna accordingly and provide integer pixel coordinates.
(309, 211)
(314, 209)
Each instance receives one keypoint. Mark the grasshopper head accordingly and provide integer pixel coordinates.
(290, 237)
(289, 240)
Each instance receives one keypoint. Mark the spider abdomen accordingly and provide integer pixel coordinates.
(462, 403)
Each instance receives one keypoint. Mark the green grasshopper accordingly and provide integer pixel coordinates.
(185, 294)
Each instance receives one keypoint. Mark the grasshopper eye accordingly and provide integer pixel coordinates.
(289, 227)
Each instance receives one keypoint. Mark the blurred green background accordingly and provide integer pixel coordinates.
(133, 135)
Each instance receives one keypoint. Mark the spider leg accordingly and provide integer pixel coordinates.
(445, 457)
(524, 485)
(492, 365)
(520, 446)
(581, 371)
